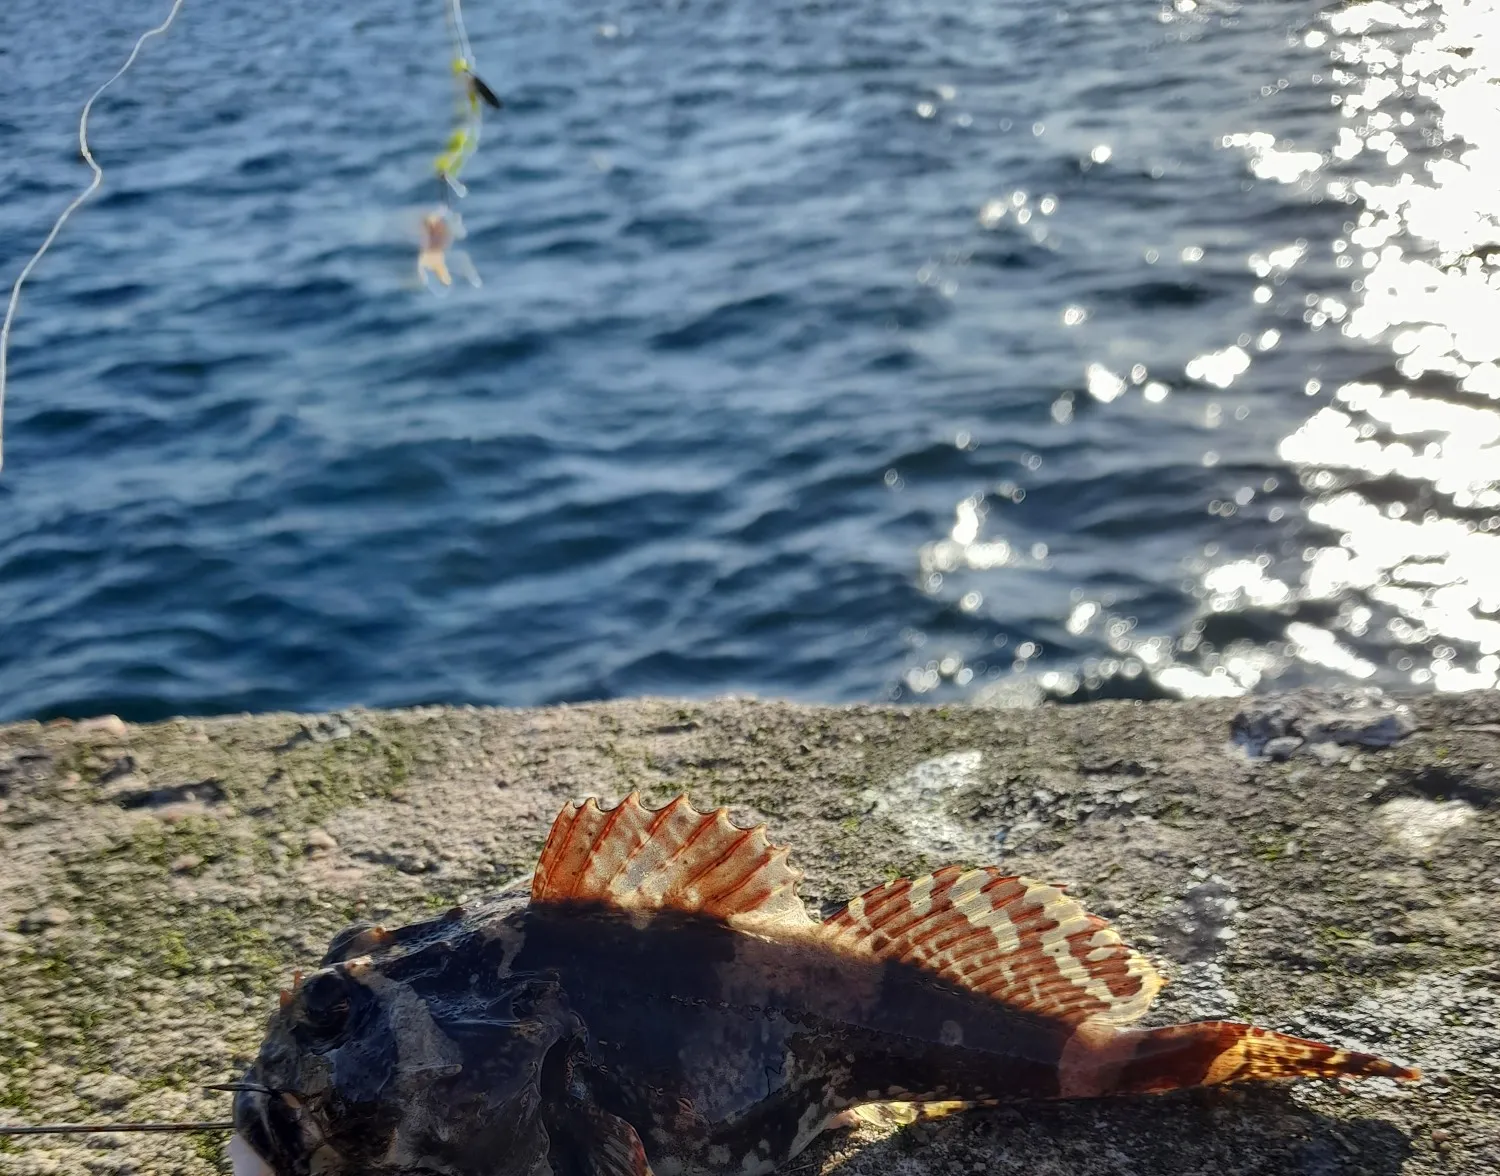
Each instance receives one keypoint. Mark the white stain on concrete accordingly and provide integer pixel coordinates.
(1198, 932)
(1418, 824)
(918, 803)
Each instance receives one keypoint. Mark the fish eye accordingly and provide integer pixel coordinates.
(325, 1004)
(354, 940)
(338, 947)
(530, 993)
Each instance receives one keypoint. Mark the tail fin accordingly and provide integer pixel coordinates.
(1214, 1053)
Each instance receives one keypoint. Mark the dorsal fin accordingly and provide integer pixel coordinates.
(1013, 939)
(674, 857)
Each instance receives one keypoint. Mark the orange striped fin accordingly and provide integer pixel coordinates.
(1221, 1053)
(674, 858)
(1016, 940)
(610, 1144)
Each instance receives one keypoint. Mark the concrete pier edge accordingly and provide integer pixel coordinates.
(1324, 865)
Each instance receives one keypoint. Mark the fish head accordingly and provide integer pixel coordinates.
(315, 1099)
(407, 1061)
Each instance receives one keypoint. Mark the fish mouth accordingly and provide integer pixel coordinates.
(244, 1160)
(268, 1137)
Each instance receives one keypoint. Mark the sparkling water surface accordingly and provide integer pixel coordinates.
(829, 350)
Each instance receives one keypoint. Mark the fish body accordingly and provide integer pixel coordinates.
(662, 1003)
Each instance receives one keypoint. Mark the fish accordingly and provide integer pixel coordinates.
(661, 1003)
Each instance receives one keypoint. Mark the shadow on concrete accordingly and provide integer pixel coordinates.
(1223, 1133)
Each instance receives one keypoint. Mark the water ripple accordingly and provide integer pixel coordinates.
(831, 351)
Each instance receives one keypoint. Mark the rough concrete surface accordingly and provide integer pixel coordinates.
(1329, 876)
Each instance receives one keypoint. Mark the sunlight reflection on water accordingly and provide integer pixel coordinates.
(1418, 568)
(1397, 579)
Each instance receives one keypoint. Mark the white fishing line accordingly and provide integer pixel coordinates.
(88, 157)
(464, 142)
(460, 35)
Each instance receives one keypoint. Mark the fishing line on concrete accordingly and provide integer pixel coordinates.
(97, 1128)
(73, 205)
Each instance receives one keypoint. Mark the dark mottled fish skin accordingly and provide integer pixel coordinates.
(717, 1046)
(663, 1005)
(396, 1061)
(764, 1040)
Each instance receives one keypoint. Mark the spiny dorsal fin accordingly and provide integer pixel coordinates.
(1014, 939)
(675, 857)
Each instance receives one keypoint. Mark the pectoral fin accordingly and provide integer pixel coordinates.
(588, 1141)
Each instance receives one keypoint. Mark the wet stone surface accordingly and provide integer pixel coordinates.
(1279, 727)
(1346, 896)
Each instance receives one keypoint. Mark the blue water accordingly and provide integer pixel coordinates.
(830, 350)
